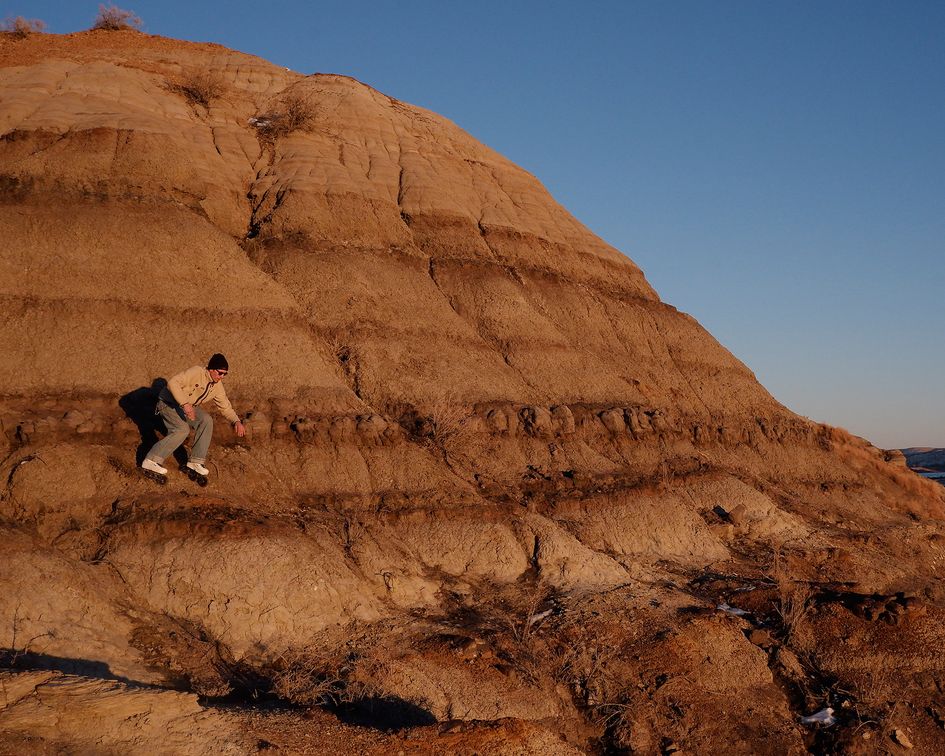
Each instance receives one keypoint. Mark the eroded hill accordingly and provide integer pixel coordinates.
(496, 495)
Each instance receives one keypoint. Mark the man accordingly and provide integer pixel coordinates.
(178, 405)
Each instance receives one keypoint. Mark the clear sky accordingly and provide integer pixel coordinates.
(776, 168)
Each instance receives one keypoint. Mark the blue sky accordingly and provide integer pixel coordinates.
(776, 168)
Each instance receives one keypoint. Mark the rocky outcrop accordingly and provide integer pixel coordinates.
(54, 711)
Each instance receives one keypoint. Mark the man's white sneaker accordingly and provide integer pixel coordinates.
(150, 464)
(198, 468)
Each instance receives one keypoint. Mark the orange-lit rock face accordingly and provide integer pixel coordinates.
(488, 473)
(440, 265)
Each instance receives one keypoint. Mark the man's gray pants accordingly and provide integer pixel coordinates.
(178, 429)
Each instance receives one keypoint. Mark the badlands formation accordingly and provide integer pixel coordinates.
(495, 496)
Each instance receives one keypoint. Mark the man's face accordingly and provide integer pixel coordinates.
(217, 375)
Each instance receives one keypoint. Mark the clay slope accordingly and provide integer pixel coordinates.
(490, 478)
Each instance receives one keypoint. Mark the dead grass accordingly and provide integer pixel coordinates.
(292, 113)
(588, 667)
(860, 452)
(591, 659)
(511, 618)
(524, 628)
(199, 87)
(21, 27)
(874, 702)
(793, 603)
(339, 349)
(447, 414)
(113, 18)
(876, 691)
(532, 611)
(793, 608)
(312, 678)
(325, 672)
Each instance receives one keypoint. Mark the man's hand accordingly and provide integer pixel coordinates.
(189, 411)
(239, 428)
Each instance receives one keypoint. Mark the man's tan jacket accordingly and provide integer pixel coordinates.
(193, 386)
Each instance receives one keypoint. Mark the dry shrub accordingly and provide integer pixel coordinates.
(593, 661)
(512, 610)
(446, 415)
(529, 613)
(22, 27)
(297, 113)
(19, 646)
(794, 599)
(511, 616)
(874, 701)
(793, 607)
(337, 340)
(876, 690)
(113, 18)
(551, 645)
(312, 677)
(587, 666)
(325, 672)
(293, 113)
(200, 87)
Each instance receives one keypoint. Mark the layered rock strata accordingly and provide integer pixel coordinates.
(455, 393)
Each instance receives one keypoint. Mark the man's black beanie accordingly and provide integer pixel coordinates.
(218, 362)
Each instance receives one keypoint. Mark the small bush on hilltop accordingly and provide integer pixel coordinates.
(22, 27)
(113, 18)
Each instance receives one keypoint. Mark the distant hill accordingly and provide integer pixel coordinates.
(925, 458)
